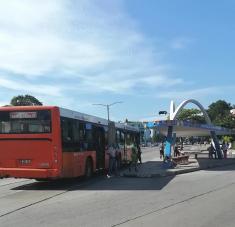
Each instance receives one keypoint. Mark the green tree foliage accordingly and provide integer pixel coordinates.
(157, 137)
(25, 100)
(219, 113)
(227, 139)
(194, 115)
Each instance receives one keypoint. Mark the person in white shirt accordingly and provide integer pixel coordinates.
(112, 160)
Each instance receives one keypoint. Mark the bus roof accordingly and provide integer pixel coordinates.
(71, 114)
(93, 119)
(81, 116)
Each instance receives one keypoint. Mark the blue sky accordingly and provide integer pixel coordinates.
(144, 53)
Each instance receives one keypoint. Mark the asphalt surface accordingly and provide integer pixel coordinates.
(202, 198)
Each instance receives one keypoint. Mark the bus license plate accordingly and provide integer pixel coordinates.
(25, 161)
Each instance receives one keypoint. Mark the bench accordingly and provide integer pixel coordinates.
(183, 159)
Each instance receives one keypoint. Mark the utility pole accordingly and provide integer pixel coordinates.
(111, 126)
(107, 107)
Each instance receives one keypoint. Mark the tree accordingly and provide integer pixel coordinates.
(25, 100)
(191, 115)
(219, 113)
(157, 137)
(227, 139)
(218, 110)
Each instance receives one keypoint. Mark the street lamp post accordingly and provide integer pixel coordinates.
(110, 131)
(107, 106)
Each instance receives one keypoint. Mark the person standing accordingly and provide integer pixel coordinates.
(176, 151)
(112, 160)
(162, 151)
(139, 153)
(134, 158)
(211, 151)
(118, 157)
(224, 149)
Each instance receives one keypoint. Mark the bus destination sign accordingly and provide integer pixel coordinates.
(19, 115)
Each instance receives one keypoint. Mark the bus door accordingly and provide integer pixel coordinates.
(99, 145)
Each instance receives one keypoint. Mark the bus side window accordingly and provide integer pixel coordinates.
(64, 129)
(118, 136)
(76, 131)
(132, 139)
(89, 137)
(81, 136)
(106, 135)
(122, 138)
(128, 140)
(67, 134)
(137, 138)
(69, 131)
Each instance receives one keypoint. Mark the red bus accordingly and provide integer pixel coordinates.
(48, 142)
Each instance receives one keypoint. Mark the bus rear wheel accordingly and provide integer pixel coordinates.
(89, 168)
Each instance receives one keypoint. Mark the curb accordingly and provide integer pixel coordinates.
(177, 172)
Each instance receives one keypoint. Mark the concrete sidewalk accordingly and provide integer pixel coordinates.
(154, 167)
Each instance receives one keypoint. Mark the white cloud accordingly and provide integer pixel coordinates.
(93, 43)
(29, 87)
(37, 38)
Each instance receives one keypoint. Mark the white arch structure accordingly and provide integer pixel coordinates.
(174, 113)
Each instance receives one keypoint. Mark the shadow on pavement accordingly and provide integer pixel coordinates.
(131, 182)
(99, 183)
(119, 183)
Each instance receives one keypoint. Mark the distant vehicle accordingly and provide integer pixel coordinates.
(48, 142)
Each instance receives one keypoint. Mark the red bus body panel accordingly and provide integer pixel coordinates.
(31, 155)
(74, 163)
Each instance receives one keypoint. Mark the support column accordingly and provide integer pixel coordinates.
(217, 145)
(169, 140)
(173, 139)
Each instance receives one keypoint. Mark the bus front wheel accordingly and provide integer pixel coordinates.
(89, 168)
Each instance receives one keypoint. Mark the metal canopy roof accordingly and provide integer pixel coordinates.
(186, 128)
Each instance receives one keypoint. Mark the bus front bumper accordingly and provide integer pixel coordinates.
(29, 173)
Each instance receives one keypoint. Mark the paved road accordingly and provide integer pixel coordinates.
(204, 198)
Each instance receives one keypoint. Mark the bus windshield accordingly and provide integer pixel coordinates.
(25, 122)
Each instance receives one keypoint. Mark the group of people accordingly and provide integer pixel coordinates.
(115, 158)
(212, 151)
